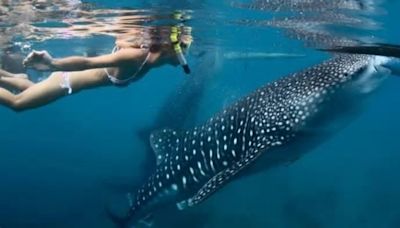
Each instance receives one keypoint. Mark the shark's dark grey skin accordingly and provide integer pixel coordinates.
(193, 164)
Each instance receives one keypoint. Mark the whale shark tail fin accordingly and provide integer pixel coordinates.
(117, 210)
(118, 221)
(389, 50)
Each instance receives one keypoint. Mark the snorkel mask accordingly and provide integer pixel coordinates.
(174, 37)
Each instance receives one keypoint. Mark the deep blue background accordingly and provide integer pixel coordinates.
(61, 163)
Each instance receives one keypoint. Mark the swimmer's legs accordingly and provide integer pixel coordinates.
(37, 95)
(14, 81)
(51, 89)
(4, 73)
(6, 97)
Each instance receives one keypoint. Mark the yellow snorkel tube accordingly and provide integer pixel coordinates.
(178, 49)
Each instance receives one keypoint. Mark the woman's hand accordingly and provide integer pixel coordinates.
(39, 60)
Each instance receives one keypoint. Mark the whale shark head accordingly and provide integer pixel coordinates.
(193, 164)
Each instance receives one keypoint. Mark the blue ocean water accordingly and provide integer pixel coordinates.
(60, 164)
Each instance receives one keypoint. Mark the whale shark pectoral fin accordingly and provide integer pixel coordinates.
(162, 142)
(183, 204)
(219, 180)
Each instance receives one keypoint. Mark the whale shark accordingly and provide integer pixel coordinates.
(255, 131)
(309, 5)
(188, 96)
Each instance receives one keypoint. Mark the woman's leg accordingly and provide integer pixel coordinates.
(50, 89)
(14, 81)
(36, 95)
(6, 97)
(4, 73)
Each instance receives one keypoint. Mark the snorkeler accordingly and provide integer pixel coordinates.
(128, 62)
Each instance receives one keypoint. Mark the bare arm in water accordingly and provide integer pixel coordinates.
(43, 61)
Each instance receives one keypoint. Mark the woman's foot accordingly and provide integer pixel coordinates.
(14, 81)
(23, 76)
(6, 74)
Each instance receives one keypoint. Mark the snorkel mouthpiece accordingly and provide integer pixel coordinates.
(181, 58)
(186, 69)
(178, 49)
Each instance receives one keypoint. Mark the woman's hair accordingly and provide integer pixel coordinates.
(159, 37)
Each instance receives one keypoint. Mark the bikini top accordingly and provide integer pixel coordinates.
(117, 81)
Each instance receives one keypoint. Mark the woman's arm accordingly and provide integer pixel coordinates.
(41, 60)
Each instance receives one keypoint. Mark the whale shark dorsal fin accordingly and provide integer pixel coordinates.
(220, 179)
(163, 142)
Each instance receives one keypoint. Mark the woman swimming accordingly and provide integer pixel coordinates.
(127, 63)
